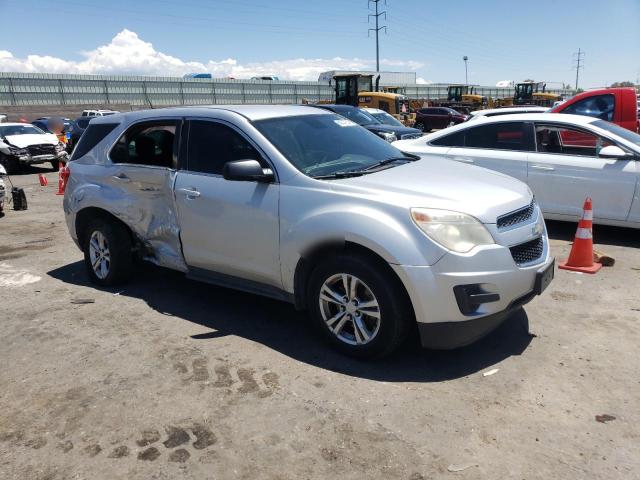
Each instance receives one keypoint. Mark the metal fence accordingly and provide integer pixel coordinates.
(21, 89)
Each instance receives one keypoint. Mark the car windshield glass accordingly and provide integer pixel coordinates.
(628, 135)
(359, 116)
(384, 117)
(319, 145)
(8, 130)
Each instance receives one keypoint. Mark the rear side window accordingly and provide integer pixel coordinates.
(148, 143)
(453, 140)
(212, 144)
(499, 136)
(93, 135)
(600, 106)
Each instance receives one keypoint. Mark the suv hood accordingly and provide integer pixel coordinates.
(436, 182)
(22, 141)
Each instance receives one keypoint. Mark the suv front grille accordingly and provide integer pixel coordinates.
(527, 252)
(519, 216)
(42, 149)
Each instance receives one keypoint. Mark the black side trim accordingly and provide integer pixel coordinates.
(236, 283)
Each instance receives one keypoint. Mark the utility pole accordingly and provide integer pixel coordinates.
(377, 15)
(466, 72)
(579, 61)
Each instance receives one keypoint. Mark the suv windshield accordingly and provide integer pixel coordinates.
(628, 135)
(384, 117)
(359, 116)
(8, 130)
(319, 145)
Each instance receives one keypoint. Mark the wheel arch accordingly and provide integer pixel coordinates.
(314, 255)
(87, 214)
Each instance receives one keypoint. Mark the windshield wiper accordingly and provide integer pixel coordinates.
(387, 161)
(347, 174)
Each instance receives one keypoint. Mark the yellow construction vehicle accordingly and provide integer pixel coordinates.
(464, 99)
(534, 93)
(358, 90)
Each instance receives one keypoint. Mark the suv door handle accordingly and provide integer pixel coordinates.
(121, 177)
(542, 167)
(190, 192)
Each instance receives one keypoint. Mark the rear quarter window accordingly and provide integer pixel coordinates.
(93, 135)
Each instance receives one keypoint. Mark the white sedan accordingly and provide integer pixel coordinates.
(563, 158)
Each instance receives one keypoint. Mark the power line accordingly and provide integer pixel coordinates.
(377, 29)
(579, 63)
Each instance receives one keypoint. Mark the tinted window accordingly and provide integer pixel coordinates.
(91, 137)
(325, 144)
(452, 140)
(149, 143)
(498, 136)
(600, 106)
(213, 144)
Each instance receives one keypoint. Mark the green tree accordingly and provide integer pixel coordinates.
(623, 84)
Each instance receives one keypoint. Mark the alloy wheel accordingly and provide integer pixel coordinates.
(99, 254)
(349, 309)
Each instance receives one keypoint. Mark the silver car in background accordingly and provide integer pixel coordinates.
(305, 206)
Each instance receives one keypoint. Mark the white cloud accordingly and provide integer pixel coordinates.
(423, 81)
(127, 53)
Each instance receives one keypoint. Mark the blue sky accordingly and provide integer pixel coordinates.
(504, 39)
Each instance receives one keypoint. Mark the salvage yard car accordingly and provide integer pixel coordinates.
(563, 158)
(303, 205)
(24, 144)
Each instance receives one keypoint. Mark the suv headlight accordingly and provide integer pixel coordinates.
(453, 230)
(389, 137)
(18, 151)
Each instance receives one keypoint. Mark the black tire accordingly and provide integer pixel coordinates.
(55, 165)
(119, 245)
(11, 165)
(396, 314)
(419, 126)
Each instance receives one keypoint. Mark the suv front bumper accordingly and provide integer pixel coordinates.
(462, 298)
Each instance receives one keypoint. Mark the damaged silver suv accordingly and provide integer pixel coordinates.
(305, 206)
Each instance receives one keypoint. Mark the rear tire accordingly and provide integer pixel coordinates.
(107, 252)
(365, 319)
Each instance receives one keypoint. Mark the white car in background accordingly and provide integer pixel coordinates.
(494, 112)
(98, 113)
(24, 144)
(3, 172)
(563, 158)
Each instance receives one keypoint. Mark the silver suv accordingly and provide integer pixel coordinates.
(305, 206)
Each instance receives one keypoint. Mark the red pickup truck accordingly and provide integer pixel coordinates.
(616, 105)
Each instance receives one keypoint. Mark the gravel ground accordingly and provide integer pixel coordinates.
(168, 378)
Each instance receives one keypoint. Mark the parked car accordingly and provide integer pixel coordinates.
(430, 118)
(98, 113)
(494, 112)
(43, 124)
(25, 144)
(390, 133)
(302, 205)
(563, 158)
(617, 105)
(76, 129)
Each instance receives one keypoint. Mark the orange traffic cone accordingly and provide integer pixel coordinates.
(43, 180)
(581, 256)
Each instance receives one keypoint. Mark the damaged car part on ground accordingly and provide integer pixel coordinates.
(303, 205)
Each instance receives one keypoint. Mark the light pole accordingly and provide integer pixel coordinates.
(466, 72)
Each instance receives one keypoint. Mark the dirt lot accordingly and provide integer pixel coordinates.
(167, 378)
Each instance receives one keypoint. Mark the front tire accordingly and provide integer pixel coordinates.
(107, 252)
(358, 306)
(419, 126)
(55, 165)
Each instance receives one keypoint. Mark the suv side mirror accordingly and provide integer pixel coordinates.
(612, 151)
(247, 171)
